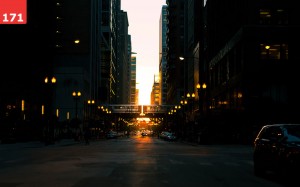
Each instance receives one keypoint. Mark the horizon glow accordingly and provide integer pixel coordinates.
(143, 19)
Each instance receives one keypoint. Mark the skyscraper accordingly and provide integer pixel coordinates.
(162, 55)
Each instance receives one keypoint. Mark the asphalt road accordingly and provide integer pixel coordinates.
(128, 162)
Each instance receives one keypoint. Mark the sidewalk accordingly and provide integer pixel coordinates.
(36, 144)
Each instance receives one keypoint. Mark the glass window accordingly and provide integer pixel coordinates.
(274, 51)
(265, 16)
(281, 17)
(268, 16)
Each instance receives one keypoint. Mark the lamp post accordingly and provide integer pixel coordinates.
(204, 97)
(184, 74)
(49, 131)
(183, 103)
(201, 94)
(91, 111)
(51, 82)
(190, 98)
(91, 108)
(191, 118)
(76, 97)
(198, 86)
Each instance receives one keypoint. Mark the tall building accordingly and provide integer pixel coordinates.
(155, 92)
(130, 53)
(162, 55)
(137, 92)
(27, 58)
(175, 49)
(251, 64)
(123, 65)
(80, 44)
(246, 63)
(105, 57)
(192, 16)
(117, 20)
(133, 81)
(77, 57)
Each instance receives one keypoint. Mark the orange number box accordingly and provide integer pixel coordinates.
(13, 11)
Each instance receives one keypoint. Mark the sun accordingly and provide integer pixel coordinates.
(144, 85)
(144, 96)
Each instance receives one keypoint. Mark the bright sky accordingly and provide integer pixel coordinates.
(143, 18)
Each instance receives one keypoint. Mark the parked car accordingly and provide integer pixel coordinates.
(144, 133)
(277, 150)
(170, 136)
(163, 134)
(111, 134)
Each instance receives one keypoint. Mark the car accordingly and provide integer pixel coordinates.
(144, 133)
(163, 134)
(277, 150)
(170, 136)
(111, 134)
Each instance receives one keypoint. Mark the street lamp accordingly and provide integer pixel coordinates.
(198, 89)
(191, 114)
(201, 94)
(76, 96)
(184, 74)
(189, 71)
(91, 110)
(184, 103)
(50, 115)
(53, 80)
(190, 97)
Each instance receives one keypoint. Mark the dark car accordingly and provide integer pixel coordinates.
(170, 136)
(111, 134)
(277, 150)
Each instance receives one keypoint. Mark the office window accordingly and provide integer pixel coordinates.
(281, 17)
(276, 17)
(274, 51)
(265, 16)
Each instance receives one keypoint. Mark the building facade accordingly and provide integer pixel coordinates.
(246, 60)
(80, 53)
(175, 49)
(133, 80)
(162, 55)
(155, 92)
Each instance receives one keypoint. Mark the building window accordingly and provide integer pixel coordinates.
(281, 17)
(277, 17)
(265, 16)
(274, 51)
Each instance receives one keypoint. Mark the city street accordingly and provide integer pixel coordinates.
(135, 161)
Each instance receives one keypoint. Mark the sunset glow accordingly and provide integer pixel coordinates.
(143, 18)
